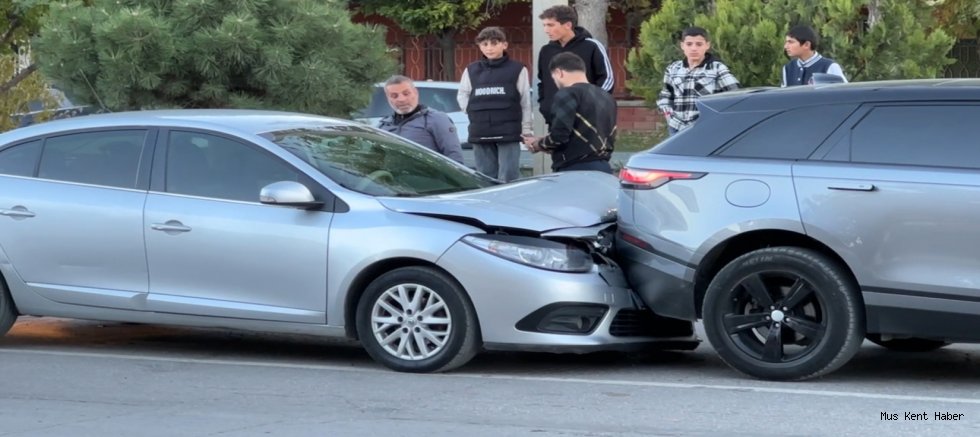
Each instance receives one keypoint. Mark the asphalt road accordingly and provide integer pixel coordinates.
(61, 377)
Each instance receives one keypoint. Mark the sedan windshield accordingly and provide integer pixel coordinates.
(370, 162)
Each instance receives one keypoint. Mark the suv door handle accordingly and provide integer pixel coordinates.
(17, 212)
(852, 187)
(170, 226)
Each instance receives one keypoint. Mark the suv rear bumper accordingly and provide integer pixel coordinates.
(665, 285)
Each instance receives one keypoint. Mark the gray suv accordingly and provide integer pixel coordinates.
(797, 222)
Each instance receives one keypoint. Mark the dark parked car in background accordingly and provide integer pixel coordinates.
(797, 222)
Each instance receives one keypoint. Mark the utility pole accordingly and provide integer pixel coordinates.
(542, 161)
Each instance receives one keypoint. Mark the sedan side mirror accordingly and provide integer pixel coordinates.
(288, 193)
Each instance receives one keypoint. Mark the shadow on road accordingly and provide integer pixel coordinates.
(956, 364)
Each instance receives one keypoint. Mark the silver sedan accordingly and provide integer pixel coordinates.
(281, 222)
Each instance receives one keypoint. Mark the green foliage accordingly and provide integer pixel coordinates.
(658, 45)
(15, 100)
(442, 18)
(298, 55)
(907, 42)
(424, 17)
(742, 33)
(19, 21)
(962, 17)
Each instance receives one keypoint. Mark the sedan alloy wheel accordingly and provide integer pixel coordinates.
(417, 319)
(411, 322)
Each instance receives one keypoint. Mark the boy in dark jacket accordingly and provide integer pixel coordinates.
(561, 25)
(801, 44)
(582, 133)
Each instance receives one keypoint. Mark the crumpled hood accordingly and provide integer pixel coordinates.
(555, 201)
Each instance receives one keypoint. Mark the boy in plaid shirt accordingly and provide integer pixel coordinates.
(699, 74)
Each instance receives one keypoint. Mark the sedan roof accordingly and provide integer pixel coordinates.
(243, 121)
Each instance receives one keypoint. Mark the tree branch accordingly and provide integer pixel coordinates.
(8, 34)
(6, 86)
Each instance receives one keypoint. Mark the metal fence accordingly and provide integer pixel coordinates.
(967, 55)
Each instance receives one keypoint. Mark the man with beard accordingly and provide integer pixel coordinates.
(412, 121)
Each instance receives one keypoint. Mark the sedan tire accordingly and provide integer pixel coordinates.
(417, 319)
(8, 313)
(784, 313)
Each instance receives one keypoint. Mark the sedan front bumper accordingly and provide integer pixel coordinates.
(513, 303)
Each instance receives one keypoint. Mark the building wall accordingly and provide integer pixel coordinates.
(636, 116)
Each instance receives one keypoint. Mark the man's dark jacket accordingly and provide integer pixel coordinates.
(583, 128)
(598, 69)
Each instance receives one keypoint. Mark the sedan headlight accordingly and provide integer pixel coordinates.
(534, 252)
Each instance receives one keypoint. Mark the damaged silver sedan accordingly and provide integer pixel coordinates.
(293, 223)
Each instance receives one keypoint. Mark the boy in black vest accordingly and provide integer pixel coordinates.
(494, 94)
(801, 43)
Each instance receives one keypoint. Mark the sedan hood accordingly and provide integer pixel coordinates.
(545, 203)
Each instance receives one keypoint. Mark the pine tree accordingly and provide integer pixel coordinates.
(298, 55)
(903, 41)
(747, 39)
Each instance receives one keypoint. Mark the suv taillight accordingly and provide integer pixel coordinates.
(640, 179)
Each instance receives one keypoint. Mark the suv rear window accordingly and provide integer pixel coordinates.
(793, 134)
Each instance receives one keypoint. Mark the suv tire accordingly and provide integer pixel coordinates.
(784, 313)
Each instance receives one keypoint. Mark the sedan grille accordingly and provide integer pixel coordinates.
(644, 323)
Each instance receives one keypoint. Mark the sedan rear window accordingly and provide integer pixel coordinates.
(20, 160)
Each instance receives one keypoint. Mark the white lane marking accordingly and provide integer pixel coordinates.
(612, 382)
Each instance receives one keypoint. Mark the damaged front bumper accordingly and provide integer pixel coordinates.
(531, 309)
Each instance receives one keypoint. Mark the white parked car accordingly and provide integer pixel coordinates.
(436, 95)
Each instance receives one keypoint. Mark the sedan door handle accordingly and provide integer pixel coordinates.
(17, 212)
(852, 187)
(170, 226)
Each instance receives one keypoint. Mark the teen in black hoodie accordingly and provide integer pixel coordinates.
(561, 25)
